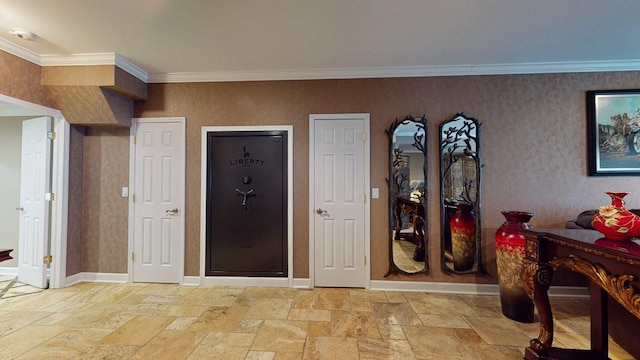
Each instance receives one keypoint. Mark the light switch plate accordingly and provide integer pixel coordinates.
(125, 191)
(375, 193)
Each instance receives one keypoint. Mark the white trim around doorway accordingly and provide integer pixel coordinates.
(237, 280)
(59, 186)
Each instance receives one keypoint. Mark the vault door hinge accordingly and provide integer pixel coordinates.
(51, 135)
(47, 259)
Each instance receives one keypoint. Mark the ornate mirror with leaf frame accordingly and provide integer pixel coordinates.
(408, 196)
(460, 180)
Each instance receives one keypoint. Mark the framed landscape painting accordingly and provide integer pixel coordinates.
(613, 132)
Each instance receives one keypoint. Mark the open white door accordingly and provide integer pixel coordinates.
(34, 208)
(159, 198)
(340, 226)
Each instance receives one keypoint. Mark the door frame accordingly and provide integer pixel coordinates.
(132, 182)
(59, 186)
(240, 280)
(365, 117)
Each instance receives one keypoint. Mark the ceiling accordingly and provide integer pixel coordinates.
(226, 40)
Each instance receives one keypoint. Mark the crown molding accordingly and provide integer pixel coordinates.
(20, 52)
(95, 59)
(393, 72)
(319, 74)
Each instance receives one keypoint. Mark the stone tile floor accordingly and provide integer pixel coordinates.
(156, 321)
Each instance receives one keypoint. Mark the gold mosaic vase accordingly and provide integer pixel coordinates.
(515, 303)
(463, 237)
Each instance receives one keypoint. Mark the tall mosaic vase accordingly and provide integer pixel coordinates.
(516, 305)
(463, 237)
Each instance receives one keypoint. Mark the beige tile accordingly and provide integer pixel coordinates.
(361, 299)
(354, 324)
(309, 315)
(249, 326)
(260, 355)
(395, 314)
(182, 323)
(281, 335)
(268, 292)
(67, 344)
(339, 324)
(220, 319)
(435, 343)
(331, 348)
(439, 304)
(216, 296)
(170, 345)
(379, 349)
(228, 346)
(395, 296)
(392, 332)
(288, 356)
(319, 329)
(269, 309)
(323, 299)
(10, 321)
(185, 310)
(496, 331)
(23, 340)
(468, 336)
(483, 351)
(448, 321)
(108, 352)
(138, 330)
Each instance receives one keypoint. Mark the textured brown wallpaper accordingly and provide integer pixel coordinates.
(104, 212)
(76, 181)
(21, 79)
(533, 144)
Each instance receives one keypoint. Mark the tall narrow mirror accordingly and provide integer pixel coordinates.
(460, 180)
(407, 196)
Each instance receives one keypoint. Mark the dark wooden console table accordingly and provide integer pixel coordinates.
(612, 268)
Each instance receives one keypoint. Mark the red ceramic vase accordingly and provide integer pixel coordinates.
(614, 221)
(516, 305)
(463, 237)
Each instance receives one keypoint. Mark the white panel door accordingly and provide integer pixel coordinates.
(158, 234)
(35, 182)
(339, 205)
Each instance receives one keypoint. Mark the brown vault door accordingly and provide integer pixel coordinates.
(246, 203)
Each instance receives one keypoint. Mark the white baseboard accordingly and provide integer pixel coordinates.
(245, 281)
(97, 277)
(305, 283)
(466, 288)
(435, 287)
(9, 271)
(301, 283)
(191, 281)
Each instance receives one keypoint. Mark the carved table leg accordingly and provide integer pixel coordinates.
(599, 319)
(536, 280)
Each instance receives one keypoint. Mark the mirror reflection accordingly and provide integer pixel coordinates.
(407, 197)
(460, 179)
